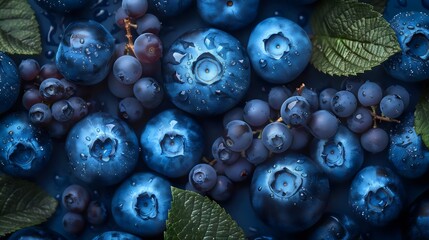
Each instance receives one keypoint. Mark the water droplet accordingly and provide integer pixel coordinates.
(262, 63)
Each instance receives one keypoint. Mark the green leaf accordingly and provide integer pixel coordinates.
(350, 37)
(193, 216)
(19, 30)
(421, 117)
(22, 204)
(379, 5)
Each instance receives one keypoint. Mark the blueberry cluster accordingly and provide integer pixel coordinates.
(52, 101)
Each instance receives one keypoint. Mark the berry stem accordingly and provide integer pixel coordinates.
(381, 118)
(211, 162)
(129, 48)
(300, 89)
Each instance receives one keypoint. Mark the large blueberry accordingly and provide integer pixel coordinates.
(279, 50)
(409, 156)
(172, 143)
(9, 82)
(25, 148)
(290, 192)
(102, 149)
(36, 233)
(417, 221)
(412, 63)
(229, 15)
(115, 235)
(62, 6)
(340, 156)
(168, 8)
(140, 205)
(206, 72)
(85, 53)
(376, 195)
(334, 227)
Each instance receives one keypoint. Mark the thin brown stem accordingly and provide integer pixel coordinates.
(376, 117)
(129, 48)
(300, 89)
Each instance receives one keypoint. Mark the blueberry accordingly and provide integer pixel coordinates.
(410, 158)
(223, 190)
(25, 149)
(239, 171)
(376, 195)
(203, 177)
(222, 153)
(279, 50)
(238, 135)
(340, 157)
(96, 213)
(85, 53)
(290, 192)
(140, 204)
(417, 221)
(165, 9)
(344, 103)
(115, 235)
(206, 72)
(73, 223)
(62, 6)
(171, 143)
(101, 149)
(229, 15)
(325, 98)
(334, 226)
(412, 63)
(10, 81)
(75, 198)
(36, 233)
(295, 111)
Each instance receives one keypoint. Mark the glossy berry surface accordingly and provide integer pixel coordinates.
(407, 152)
(295, 111)
(171, 143)
(35, 233)
(340, 157)
(140, 204)
(417, 220)
(101, 149)
(73, 223)
(376, 195)
(238, 135)
(206, 72)
(279, 50)
(62, 6)
(228, 15)
(374, 140)
(289, 193)
(277, 137)
(203, 177)
(334, 226)
(96, 213)
(85, 53)
(168, 9)
(412, 63)
(26, 148)
(116, 235)
(9, 81)
(75, 198)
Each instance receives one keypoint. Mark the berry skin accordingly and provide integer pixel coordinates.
(417, 220)
(277, 96)
(256, 112)
(323, 124)
(277, 137)
(40, 113)
(85, 53)
(325, 98)
(222, 153)
(171, 143)
(257, 153)
(37, 233)
(374, 140)
(26, 148)
(140, 204)
(376, 195)
(116, 235)
(148, 23)
(149, 92)
(96, 213)
(399, 91)
(360, 121)
(9, 79)
(238, 135)
(240, 170)
(102, 150)
(131, 109)
(75, 198)
(29, 69)
(279, 50)
(223, 190)
(148, 48)
(206, 72)
(344, 103)
(127, 69)
(340, 157)
(406, 150)
(295, 111)
(73, 223)
(412, 63)
(135, 8)
(168, 9)
(62, 6)
(334, 226)
(370, 94)
(228, 15)
(203, 177)
(391, 106)
(292, 185)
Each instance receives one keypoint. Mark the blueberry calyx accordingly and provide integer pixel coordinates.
(146, 206)
(103, 148)
(380, 199)
(285, 183)
(22, 155)
(333, 154)
(277, 45)
(173, 144)
(207, 69)
(417, 45)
